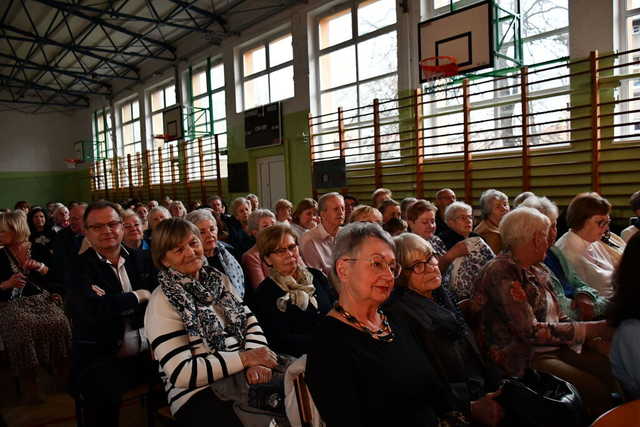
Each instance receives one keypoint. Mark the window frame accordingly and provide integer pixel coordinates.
(626, 134)
(151, 146)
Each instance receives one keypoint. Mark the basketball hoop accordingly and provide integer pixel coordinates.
(436, 70)
(72, 162)
(164, 137)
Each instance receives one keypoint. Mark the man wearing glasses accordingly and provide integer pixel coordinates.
(110, 289)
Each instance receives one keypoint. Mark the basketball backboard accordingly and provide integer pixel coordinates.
(465, 34)
(172, 123)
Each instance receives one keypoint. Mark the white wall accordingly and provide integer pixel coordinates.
(40, 142)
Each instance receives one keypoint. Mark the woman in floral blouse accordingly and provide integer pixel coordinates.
(518, 322)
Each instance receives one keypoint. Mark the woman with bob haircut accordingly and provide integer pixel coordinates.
(200, 331)
(623, 313)
(238, 226)
(365, 367)
(588, 221)
(303, 218)
(292, 299)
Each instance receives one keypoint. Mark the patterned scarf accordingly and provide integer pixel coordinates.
(202, 302)
(232, 268)
(298, 287)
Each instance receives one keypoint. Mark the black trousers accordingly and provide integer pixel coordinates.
(203, 408)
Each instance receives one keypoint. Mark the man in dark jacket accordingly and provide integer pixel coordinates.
(110, 287)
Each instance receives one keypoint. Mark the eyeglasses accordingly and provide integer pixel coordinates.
(129, 226)
(465, 217)
(281, 251)
(378, 265)
(113, 225)
(420, 266)
(603, 222)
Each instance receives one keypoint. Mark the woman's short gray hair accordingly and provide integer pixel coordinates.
(409, 248)
(518, 227)
(453, 209)
(237, 202)
(159, 208)
(128, 213)
(487, 198)
(256, 216)
(199, 215)
(544, 205)
(350, 239)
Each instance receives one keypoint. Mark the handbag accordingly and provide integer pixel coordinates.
(540, 399)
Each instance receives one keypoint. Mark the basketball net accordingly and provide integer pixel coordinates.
(437, 72)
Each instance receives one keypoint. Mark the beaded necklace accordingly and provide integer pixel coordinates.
(384, 334)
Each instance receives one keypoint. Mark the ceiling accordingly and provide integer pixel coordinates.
(56, 54)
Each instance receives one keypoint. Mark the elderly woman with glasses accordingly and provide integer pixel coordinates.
(133, 231)
(588, 221)
(464, 270)
(494, 205)
(292, 298)
(200, 331)
(366, 368)
(440, 328)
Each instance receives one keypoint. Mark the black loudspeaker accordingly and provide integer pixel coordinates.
(238, 177)
(330, 173)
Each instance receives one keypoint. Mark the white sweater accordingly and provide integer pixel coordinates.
(187, 365)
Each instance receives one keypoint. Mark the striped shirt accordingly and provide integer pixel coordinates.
(187, 364)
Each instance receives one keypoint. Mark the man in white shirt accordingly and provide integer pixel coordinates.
(317, 244)
(110, 287)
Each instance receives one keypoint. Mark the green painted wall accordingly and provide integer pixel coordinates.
(41, 187)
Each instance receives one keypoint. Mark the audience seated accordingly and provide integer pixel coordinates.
(68, 243)
(253, 201)
(519, 324)
(217, 253)
(60, 218)
(366, 368)
(379, 195)
(177, 209)
(156, 216)
(110, 286)
(588, 219)
(292, 299)
(577, 300)
(219, 210)
(255, 268)
(283, 210)
(517, 201)
(142, 211)
(624, 315)
(238, 226)
(206, 340)
(405, 204)
(494, 205)
(463, 270)
(444, 198)
(350, 202)
(441, 329)
(33, 327)
(133, 232)
(303, 219)
(317, 244)
(366, 213)
(395, 226)
(634, 222)
(389, 209)
(42, 235)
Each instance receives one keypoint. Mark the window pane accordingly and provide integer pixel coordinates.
(256, 92)
(170, 95)
(633, 4)
(218, 105)
(254, 60)
(378, 56)
(338, 68)
(374, 14)
(280, 50)
(100, 120)
(127, 134)
(217, 76)
(220, 126)
(281, 82)
(136, 131)
(383, 89)
(335, 29)
(543, 16)
(157, 100)
(156, 124)
(199, 83)
(126, 112)
(345, 98)
(201, 117)
(136, 109)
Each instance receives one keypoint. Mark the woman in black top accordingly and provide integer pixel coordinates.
(364, 368)
(293, 298)
(42, 235)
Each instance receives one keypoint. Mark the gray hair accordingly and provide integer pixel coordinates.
(128, 213)
(519, 226)
(159, 208)
(487, 198)
(199, 215)
(521, 198)
(256, 216)
(453, 209)
(362, 211)
(237, 202)
(544, 205)
(322, 201)
(410, 247)
(350, 239)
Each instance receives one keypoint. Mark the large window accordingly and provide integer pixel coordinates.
(130, 141)
(357, 62)
(495, 104)
(208, 116)
(160, 98)
(629, 121)
(102, 149)
(267, 71)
